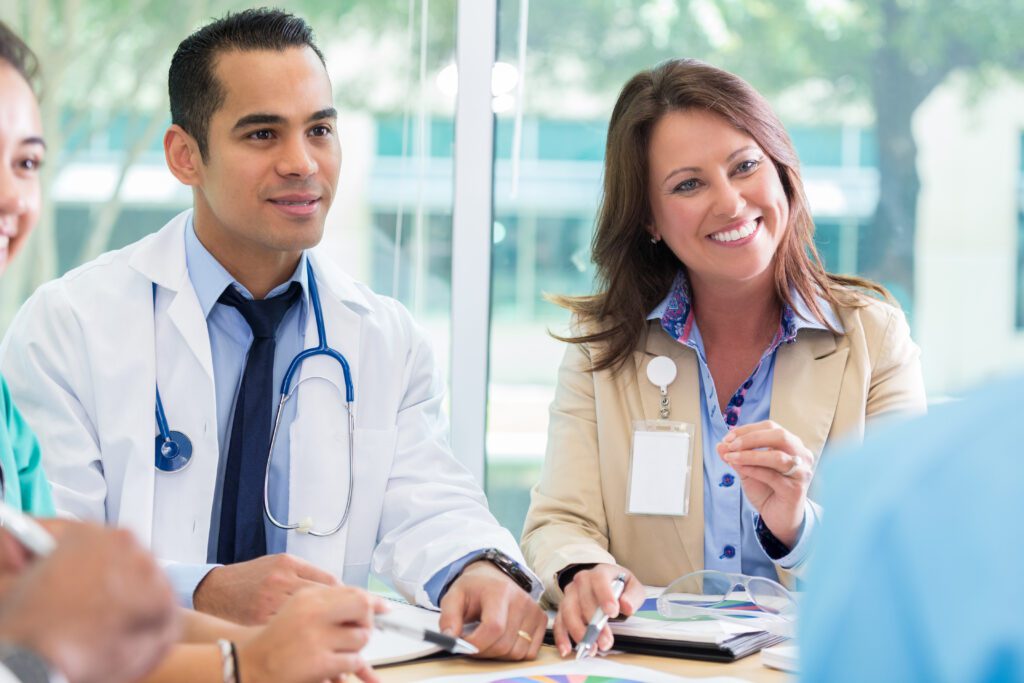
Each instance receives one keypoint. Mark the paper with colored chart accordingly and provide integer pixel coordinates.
(599, 670)
(648, 623)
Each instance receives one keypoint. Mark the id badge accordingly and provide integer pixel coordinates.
(660, 467)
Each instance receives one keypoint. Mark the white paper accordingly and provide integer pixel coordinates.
(599, 666)
(782, 657)
(657, 481)
(388, 647)
(704, 631)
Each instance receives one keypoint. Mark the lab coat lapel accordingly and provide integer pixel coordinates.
(318, 469)
(684, 395)
(809, 374)
(179, 502)
(162, 260)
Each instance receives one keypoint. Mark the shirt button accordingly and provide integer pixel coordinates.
(727, 480)
(728, 552)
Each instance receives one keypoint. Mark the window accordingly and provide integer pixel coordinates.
(884, 160)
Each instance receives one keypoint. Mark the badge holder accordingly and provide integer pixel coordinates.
(661, 458)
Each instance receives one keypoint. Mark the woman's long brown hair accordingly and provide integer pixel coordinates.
(633, 275)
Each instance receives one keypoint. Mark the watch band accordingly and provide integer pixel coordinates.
(507, 565)
(28, 666)
(228, 660)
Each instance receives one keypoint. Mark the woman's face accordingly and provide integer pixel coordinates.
(716, 198)
(21, 155)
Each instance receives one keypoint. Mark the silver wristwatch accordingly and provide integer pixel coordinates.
(507, 565)
(27, 666)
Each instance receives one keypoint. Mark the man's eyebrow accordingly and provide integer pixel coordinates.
(262, 119)
(258, 119)
(329, 113)
(34, 140)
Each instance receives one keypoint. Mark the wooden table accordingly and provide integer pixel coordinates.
(749, 668)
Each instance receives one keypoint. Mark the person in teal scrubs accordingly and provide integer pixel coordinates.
(24, 483)
(21, 156)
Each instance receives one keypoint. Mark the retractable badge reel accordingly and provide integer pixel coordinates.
(662, 455)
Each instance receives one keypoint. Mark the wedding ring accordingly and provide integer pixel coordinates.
(525, 636)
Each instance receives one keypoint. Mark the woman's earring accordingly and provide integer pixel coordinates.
(654, 240)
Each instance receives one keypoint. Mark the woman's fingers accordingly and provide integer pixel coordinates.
(766, 434)
(786, 464)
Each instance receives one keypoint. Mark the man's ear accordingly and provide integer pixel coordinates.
(182, 153)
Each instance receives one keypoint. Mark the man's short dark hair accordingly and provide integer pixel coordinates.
(15, 52)
(194, 90)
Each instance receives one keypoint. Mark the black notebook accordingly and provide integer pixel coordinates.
(649, 633)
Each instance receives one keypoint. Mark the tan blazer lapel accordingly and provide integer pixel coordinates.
(810, 375)
(684, 397)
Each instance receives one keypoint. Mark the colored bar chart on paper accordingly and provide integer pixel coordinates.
(649, 610)
(567, 678)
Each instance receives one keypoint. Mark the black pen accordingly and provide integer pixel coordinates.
(449, 643)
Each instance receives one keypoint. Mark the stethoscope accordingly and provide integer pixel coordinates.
(174, 449)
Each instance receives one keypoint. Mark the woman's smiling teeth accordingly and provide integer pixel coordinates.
(746, 230)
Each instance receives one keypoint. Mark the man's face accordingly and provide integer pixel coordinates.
(273, 154)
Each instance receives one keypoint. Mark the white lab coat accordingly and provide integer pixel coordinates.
(83, 358)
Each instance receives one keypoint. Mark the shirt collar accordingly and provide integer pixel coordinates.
(210, 279)
(676, 308)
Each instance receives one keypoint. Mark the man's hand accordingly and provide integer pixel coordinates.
(99, 608)
(511, 623)
(251, 592)
(590, 589)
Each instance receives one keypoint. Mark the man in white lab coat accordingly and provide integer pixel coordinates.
(199, 323)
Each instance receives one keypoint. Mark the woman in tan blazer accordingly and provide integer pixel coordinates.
(705, 256)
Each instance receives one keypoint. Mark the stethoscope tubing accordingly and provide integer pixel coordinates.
(167, 445)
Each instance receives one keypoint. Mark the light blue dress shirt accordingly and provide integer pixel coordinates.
(230, 338)
(731, 543)
(917, 576)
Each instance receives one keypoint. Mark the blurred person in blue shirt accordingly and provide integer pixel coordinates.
(918, 579)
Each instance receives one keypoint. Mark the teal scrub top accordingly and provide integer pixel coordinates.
(25, 485)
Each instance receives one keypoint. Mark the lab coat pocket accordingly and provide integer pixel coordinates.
(374, 453)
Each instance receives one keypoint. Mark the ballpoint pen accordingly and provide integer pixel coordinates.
(589, 643)
(26, 530)
(450, 643)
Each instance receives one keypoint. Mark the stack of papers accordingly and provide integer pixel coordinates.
(647, 632)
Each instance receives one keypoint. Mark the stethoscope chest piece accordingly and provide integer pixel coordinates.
(173, 453)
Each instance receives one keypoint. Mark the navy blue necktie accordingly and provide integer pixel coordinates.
(242, 533)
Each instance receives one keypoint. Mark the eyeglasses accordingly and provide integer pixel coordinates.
(755, 601)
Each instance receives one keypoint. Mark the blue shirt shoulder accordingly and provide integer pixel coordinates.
(915, 578)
